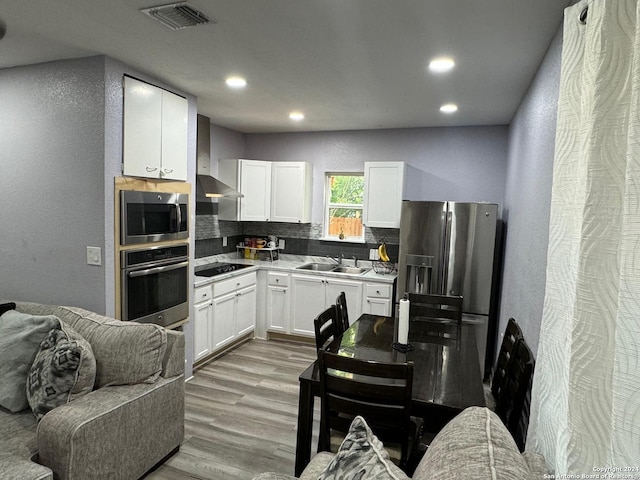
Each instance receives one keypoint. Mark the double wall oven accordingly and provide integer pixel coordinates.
(154, 274)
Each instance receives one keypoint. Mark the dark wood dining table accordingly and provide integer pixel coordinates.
(447, 375)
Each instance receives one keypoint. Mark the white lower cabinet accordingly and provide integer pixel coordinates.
(311, 294)
(278, 306)
(377, 298)
(223, 312)
(203, 320)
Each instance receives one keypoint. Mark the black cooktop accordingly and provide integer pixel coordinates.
(219, 268)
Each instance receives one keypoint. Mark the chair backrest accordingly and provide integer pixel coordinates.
(514, 403)
(430, 307)
(325, 327)
(511, 335)
(342, 314)
(379, 392)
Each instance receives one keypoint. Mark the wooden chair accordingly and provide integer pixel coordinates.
(325, 327)
(442, 311)
(379, 392)
(511, 335)
(513, 405)
(342, 313)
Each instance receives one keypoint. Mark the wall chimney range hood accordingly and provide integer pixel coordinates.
(207, 186)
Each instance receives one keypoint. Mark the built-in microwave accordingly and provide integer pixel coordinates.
(153, 217)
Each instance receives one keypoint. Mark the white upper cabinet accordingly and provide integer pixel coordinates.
(155, 132)
(252, 178)
(383, 192)
(273, 191)
(291, 186)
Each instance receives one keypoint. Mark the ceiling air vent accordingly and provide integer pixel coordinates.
(177, 15)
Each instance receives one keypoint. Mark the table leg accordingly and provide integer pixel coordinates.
(305, 428)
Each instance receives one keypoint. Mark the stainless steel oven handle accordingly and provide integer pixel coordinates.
(148, 271)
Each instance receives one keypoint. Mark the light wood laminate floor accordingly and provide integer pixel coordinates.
(241, 414)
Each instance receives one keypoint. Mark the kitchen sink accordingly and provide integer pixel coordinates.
(352, 270)
(328, 267)
(318, 267)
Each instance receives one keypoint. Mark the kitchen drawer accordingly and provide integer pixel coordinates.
(278, 279)
(231, 284)
(202, 294)
(378, 290)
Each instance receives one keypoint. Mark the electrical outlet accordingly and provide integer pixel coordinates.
(224, 241)
(94, 256)
(281, 243)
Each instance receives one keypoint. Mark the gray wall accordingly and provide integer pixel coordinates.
(463, 164)
(52, 140)
(528, 198)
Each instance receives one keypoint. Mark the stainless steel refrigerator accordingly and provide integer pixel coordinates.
(452, 248)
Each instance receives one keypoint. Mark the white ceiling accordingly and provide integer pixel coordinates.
(347, 64)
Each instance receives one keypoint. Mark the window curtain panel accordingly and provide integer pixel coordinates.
(585, 410)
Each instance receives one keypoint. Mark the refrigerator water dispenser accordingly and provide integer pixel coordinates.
(419, 272)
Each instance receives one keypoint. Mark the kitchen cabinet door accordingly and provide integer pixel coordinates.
(174, 137)
(383, 192)
(255, 185)
(142, 144)
(203, 316)
(224, 322)
(278, 306)
(245, 311)
(291, 189)
(307, 302)
(353, 293)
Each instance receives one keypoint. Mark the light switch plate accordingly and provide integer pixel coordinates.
(94, 256)
(281, 243)
(224, 241)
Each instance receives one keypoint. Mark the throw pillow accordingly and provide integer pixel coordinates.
(64, 368)
(360, 456)
(20, 337)
(5, 307)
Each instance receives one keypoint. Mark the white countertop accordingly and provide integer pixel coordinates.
(288, 263)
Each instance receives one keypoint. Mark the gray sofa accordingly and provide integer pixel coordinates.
(474, 445)
(130, 421)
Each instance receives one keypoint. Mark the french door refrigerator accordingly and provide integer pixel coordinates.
(452, 248)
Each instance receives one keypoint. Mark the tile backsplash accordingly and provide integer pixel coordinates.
(300, 239)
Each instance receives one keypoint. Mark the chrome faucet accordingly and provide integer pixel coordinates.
(337, 259)
(355, 261)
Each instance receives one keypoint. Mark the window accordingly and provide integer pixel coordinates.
(343, 206)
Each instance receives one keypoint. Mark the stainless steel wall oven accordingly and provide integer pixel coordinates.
(155, 284)
(153, 217)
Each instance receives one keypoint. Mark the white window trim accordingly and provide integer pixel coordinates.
(327, 206)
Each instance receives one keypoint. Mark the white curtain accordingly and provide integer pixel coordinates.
(585, 411)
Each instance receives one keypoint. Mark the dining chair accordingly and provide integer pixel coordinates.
(513, 405)
(379, 392)
(342, 313)
(512, 334)
(441, 311)
(325, 327)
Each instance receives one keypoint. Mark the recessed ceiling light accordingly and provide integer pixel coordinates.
(236, 82)
(449, 108)
(441, 64)
(296, 116)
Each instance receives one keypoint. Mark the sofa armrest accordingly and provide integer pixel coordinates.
(116, 432)
(173, 363)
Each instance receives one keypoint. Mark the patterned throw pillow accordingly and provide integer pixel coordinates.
(64, 369)
(360, 456)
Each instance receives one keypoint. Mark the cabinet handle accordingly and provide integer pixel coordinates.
(168, 170)
(151, 169)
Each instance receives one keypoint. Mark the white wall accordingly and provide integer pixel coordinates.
(462, 164)
(528, 198)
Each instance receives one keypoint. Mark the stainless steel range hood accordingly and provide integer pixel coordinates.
(206, 185)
